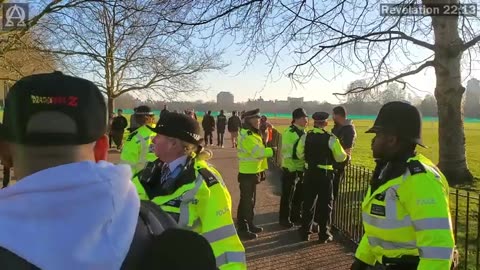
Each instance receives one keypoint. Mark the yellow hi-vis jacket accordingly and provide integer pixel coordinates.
(333, 144)
(252, 153)
(290, 140)
(205, 206)
(409, 215)
(138, 149)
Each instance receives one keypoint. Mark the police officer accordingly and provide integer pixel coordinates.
(138, 149)
(292, 167)
(190, 190)
(406, 212)
(252, 156)
(319, 149)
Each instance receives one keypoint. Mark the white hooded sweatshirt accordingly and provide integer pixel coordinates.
(76, 216)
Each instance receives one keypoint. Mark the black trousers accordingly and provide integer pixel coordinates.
(208, 137)
(318, 200)
(248, 191)
(220, 137)
(117, 136)
(292, 196)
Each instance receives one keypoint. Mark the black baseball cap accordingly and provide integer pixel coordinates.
(180, 126)
(54, 109)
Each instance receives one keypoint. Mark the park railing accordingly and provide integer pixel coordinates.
(347, 215)
(464, 206)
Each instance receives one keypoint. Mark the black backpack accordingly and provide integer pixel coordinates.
(152, 221)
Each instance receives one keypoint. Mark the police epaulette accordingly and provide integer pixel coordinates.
(209, 178)
(131, 136)
(416, 167)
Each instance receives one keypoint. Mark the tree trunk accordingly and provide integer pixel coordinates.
(110, 105)
(449, 92)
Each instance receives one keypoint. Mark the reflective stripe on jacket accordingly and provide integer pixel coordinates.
(138, 149)
(409, 215)
(252, 153)
(205, 206)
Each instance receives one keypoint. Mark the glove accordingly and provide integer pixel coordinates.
(359, 265)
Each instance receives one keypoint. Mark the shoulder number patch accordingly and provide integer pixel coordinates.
(416, 167)
(209, 178)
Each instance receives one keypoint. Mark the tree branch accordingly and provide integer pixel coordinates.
(394, 79)
(471, 43)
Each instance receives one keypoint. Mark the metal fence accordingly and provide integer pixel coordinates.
(464, 205)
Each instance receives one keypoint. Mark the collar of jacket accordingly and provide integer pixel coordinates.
(386, 170)
(251, 128)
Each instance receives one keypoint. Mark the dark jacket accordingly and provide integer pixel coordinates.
(221, 123)
(234, 124)
(208, 123)
(119, 123)
(346, 134)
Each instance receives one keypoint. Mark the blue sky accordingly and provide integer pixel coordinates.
(253, 80)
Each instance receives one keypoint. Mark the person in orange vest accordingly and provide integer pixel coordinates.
(265, 129)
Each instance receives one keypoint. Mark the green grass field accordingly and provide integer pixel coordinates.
(362, 154)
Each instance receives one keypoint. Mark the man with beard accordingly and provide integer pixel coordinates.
(406, 212)
(345, 132)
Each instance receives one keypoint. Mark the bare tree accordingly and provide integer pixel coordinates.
(393, 92)
(355, 97)
(351, 35)
(127, 46)
(17, 58)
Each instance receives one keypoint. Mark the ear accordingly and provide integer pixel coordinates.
(392, 140)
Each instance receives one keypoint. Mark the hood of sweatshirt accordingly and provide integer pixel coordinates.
(76, 216)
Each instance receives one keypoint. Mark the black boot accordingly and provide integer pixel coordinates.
(255, 229)
(305, 234)
(285, 223)
(247, 235)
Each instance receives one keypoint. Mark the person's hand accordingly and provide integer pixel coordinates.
(359, 265)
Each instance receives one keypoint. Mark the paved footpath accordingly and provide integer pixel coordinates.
(276, 248)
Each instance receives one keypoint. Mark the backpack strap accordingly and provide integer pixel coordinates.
(152, 221)
(209, 178)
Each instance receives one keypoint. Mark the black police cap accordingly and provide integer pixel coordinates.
(180, 126)
(401, 119)
(320, 116)
(143, 110)
(252, 114)
(299, 113)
